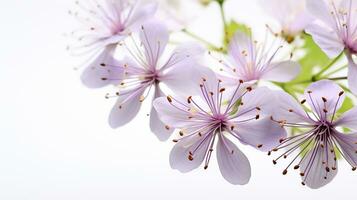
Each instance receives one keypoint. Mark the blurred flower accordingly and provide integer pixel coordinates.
(320, 141)
(291, 16)
(105, 24)
(178, 14)
(335, 31)
(249, 60)
(212, 116)
(145, 71)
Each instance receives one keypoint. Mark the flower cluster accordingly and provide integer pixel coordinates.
(212, 108)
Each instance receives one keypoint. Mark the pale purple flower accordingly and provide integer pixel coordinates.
(105, 23)
(335, 31)
(210, 121)
(291, 16)
(249, 60)
(145, 71)
(319, 140)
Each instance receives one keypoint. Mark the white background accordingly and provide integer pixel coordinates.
(55, 142)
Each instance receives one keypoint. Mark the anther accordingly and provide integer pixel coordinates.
(327, 169)
(257, 117)
(190, 157)
(169, 99)
(189, 99)
(354, 168)
(285, 171)
(274, 162)
(181, 133)
(167, 127)
(103, 64)
(175, 141)
(296, 167)
(258, 108)
(222, 90)
(324, 99)
(309, 91)
(104, 79)
(341, 93)
(291, 110)
(302, 183)
(206, 166)
(269, 153)
(249, 89)
(232, 128)
(302, 174)
(259, 145)
(241, 81)
(303, 101)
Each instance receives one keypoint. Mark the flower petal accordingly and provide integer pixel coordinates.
(315, 174)
(261, 134)
(122, 114)
(161, 130)
(327, 90)
(348, 146)
(287, 109)
(173, 114)
(233, 164)
(352, 74)
(154, 36)
(179, 156)
(257, 98)
(281, 72)
(320, 10)
(327, 39)
(348, 119)
(184, 78)
(140, 13)
(96, 75)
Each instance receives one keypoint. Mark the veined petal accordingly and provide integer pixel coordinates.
(327, 39)
(328, 90)
(288, 110)
(179, 156)
(252, 102)
(96, 75)
(161, 130)
(348, 146)
(172, 113)
(261, 134)
(238, 46)
(122, 114)
(140, 14)
(352, 74)
(184, 78)
(348, 119)
(281, 72)
(315, 173)
(154, 37)
(233, 164)
(320, 10)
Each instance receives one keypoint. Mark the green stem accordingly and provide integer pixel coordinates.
(208, 44)
(317, 76)
(224, 20)
(336, 70)
(338, 78)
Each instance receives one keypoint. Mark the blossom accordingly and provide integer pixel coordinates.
(178, 14)
(335, 31)
(211, 118)
(249, 60)
(105, 24)
(146, 70)
(321, 139)
(291, 16)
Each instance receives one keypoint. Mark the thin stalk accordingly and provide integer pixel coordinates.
(208, 44)
(316, 76)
